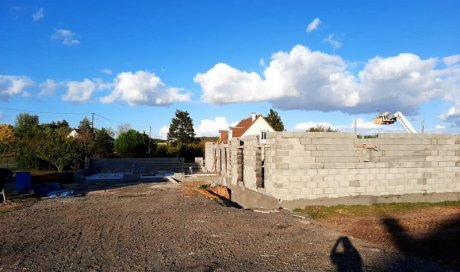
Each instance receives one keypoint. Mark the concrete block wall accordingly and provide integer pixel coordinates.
(334, 165)
(136, 165)
(210, 153)
(326, 165)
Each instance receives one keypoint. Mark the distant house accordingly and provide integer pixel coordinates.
(256, 124)
(73, 133)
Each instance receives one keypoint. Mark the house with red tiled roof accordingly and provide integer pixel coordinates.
(256, 124)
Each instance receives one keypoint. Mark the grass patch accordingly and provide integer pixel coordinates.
(319, 212)
(203, 186)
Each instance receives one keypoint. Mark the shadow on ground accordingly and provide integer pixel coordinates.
(441, 245)
(345, 256)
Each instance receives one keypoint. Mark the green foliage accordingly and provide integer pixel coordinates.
(26, 126)
(25, 129)
(321, 128)
(38, 146)
(85, 124)
(131, 144)
(366, 210)
(57, 148)
(181, 129)
(186, 151)
(103, 143)
(57, 125)
(275, 120)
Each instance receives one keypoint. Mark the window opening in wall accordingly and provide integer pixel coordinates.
(263, 137)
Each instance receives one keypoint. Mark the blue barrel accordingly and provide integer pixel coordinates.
(23, 182)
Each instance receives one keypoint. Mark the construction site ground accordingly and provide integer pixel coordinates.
(177, 227)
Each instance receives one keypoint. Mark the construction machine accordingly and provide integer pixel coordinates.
(387, 118)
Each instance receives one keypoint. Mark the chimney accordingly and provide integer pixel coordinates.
(230, 133)
(253, 116)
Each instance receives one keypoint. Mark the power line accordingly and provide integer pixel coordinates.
(75, 113)
(46, 112)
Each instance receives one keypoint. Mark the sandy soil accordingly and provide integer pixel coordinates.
(168, 227)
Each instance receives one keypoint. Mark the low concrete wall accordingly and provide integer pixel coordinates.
(137, 165)
(250, 199)
(305, 167)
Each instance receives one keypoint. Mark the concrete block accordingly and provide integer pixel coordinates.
(336, 159)
(309, 147)
(354, 183)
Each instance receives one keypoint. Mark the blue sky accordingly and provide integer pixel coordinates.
(313, 62)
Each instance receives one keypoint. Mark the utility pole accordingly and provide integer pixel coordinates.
(150, 136)
(92, 121)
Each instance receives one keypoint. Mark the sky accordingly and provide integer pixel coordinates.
(314, 62)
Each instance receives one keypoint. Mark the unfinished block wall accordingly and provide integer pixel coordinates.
(332, 165)
(306, 165)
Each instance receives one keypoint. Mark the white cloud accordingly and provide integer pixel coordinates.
(311, 80)
(225, 84)
(439, 127)
(211, 128)
(38, 15)
(452, 115)
(451, 60)
(262, 62)
(307, 125)
(313, 25)
(101, 85)
(67, 36)
(333, 40)
(144, 88)
(163, 133)
(106, 71)
(13, 85)
(300, 79)
(363, 127)
(49, 87)
(79, 91)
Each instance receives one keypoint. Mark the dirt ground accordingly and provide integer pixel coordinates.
(432, 233)
(169, 227)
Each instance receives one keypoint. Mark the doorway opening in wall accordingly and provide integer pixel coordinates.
(260, 183)
(225, 161)
(262, 170)
(240, 165)
(220, 161)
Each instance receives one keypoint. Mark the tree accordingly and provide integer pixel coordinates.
(57, 148)
(86, 137)
(181, 128)
(123, 128)
(26, 126)
(56, 125)
(6, 138)
(275, 120)
(25, 129)
(85, 124)
(322, 128)
(131, 144)
(103, 142)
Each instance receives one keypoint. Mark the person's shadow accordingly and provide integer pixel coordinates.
(345, 256)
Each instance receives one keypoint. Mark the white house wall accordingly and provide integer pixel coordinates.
(259, 125)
